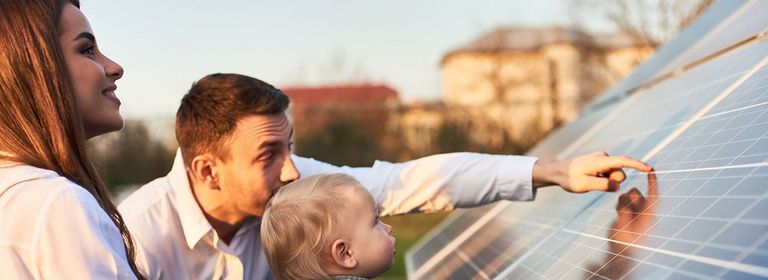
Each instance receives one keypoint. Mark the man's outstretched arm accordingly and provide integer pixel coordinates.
(458, 180)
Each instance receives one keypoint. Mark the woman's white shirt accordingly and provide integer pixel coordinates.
(51, 228)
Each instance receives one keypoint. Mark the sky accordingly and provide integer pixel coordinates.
(164, 46)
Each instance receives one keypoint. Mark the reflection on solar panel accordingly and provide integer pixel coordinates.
(699, 114)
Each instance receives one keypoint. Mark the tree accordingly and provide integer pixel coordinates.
(479, 135)
(130, 157)
(342, 141)
(647, 22)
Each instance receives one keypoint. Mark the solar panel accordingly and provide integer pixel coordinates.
(749, 20)
(668, 57)
(705, 132)
(706, 218)
(630, 128)
(448, 230)
(551, 146)
(672, 115)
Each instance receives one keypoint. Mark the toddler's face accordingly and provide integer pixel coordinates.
(369, 236)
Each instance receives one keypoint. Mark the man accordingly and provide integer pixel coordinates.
(201, 221)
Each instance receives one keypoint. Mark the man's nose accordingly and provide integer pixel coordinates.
(289, 173)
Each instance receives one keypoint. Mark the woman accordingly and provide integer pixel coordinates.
(56, 90)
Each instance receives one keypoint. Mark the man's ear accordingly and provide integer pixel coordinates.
(341, 254)
(203, 169)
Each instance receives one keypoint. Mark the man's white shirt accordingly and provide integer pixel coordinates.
(177, 242)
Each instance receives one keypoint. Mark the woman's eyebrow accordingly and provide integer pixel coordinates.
(86, 35)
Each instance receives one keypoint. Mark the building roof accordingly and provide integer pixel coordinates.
(531, 38)
(523, 38)
(341, 94)
(614, 40)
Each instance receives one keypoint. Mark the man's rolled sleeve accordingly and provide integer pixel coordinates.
(514, 175)
(439, 182)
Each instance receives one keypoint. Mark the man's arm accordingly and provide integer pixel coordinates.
(456, 180)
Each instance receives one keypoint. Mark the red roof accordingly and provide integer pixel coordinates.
(343, 94)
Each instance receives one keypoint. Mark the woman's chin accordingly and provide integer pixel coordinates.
(96, 129)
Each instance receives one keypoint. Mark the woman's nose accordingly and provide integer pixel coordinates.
(112, 69)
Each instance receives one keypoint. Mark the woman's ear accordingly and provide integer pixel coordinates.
(341, 254)
(203, 169)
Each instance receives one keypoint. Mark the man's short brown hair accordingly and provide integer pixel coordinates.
(209, 112)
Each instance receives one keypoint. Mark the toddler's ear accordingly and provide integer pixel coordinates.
(341, 254)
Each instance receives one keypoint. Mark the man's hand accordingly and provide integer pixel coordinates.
(591, 172)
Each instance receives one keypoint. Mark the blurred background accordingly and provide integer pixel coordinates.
(386, 80)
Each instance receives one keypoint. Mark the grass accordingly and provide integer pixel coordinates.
(408, 229)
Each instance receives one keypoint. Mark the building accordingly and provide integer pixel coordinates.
(527, 80)
(359, 113)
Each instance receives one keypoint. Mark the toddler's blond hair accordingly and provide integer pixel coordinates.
(299, 222)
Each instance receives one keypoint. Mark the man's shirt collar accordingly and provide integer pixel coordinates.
(193, 222)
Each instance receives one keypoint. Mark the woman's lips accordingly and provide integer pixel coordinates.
(111, 96)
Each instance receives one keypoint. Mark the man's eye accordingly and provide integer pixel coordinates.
(267, 156)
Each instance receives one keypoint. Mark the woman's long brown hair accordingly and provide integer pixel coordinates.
(40, 124)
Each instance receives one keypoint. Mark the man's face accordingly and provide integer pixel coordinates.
(259, 163)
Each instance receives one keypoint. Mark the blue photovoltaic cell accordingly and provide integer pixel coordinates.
(704, 220)
(584, 237)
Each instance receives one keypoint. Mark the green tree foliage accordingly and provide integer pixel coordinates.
(130, 157)
(343, 141)
(457, 136)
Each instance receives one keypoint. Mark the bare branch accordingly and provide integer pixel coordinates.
(647, 22)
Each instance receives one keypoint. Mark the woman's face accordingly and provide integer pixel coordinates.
(93, 75)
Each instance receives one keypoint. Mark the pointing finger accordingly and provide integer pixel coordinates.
(618, 162)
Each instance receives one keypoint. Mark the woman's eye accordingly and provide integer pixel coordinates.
(88, 50)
